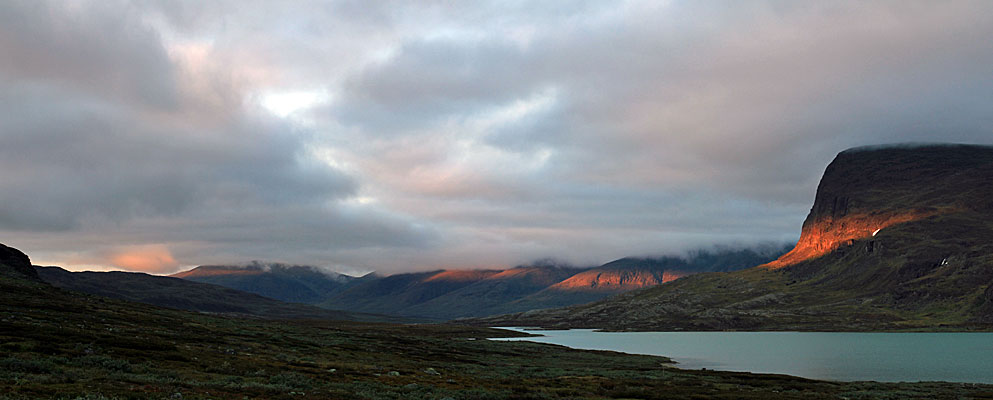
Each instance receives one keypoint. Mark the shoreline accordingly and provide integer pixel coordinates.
(843, 356)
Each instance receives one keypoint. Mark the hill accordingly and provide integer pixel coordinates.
(290, 283)
(65, 344)
(17, 265)
(898, 238)
(493, 294)
(393, 294)
(185, 295)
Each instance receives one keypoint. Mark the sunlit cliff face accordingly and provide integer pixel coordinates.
(866, 190)
(827, 233)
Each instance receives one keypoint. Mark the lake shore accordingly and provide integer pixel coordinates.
(839, 356)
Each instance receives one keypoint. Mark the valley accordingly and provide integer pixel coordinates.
(63, 344)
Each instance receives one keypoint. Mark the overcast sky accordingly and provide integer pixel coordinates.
(396, 136)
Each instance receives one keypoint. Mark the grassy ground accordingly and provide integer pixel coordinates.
(57, 344)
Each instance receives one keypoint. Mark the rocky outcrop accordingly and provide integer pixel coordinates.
(15, 264)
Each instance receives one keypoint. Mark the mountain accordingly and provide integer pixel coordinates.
(493, 294)
(640, 272)
(449, 294)
(290, 283)
(186, 295)
(633, 273)
(898, 238)
(393, 294)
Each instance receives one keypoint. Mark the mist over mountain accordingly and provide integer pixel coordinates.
(292, 283)
(448, 294)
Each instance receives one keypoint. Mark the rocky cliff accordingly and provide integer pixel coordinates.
(866, 190)
(15, 264)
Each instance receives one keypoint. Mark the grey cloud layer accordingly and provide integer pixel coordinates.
(467, 134)
(698, 117)
(87, 153)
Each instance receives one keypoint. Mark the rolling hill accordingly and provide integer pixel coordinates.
(898, 238)
(492, 294)
(186, 295)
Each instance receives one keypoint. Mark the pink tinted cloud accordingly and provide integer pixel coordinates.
(153, 258)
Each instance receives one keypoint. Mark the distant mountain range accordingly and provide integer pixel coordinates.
(898, 238)
(448, 294)
(194, 296)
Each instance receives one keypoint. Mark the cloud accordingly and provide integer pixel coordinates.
(88, 149)
(464, 134)
(57, 43)
(146, 258)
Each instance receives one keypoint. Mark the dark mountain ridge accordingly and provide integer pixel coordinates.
(181, 294)
(897, 238)
(492, 294)
(290, 283)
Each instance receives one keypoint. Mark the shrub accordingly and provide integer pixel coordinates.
(42, 366)
(292, 380)
(104, 362)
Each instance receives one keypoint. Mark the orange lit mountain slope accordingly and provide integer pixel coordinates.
(616, 280)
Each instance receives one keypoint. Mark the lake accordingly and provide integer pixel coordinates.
(839, 356)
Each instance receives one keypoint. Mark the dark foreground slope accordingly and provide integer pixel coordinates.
(186, 295)
(898, 238)
(66, 345)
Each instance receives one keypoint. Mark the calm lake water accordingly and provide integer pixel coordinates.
(885, 357)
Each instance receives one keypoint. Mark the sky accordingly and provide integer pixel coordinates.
(398, 136)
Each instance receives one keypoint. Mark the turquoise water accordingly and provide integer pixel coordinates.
(840, 356)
